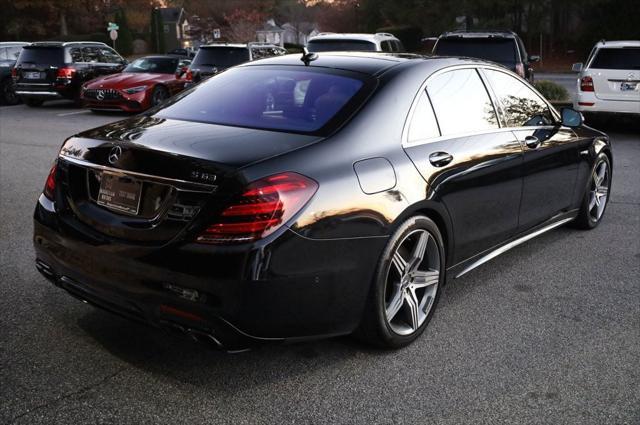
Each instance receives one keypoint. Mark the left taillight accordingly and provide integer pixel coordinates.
(264, 206)
(14, 74)
(66, 73)
(50, 184)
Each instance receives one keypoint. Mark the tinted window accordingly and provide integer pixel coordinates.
(265, 52)
(42, 55)
(496, 50)
(461, 102)
(274, 99)
(91, 54)
(423, 123)
(386, 46)
(76, 54)
(221, 57)
(521, 105)
(109, 56)
(153, 65)
(625, 58)
(340, 46)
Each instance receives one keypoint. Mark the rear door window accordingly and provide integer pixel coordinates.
(521, 106)
(496, 50)
(618, 58)
(76, 54)
(91, 54)
(461, 102)
(423, 123)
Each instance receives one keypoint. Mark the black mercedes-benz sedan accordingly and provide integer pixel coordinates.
(284, 200)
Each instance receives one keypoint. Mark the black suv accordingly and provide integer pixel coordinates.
(503, 47)
(55, 70)
(9, 52)
(214, 58)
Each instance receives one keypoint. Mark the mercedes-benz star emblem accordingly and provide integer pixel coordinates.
(115, 153)
(100, 95)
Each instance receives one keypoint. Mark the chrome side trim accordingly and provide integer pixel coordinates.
(504, 248)
(183, 185)
(38, 93)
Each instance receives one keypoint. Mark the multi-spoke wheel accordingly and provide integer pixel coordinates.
(597, 194)
(158, 95)
(405, 290)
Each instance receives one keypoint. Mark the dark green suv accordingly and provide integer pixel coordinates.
(9, 52)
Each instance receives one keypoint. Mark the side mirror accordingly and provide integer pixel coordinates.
(571, 117)
(534, 58)
(577, 67)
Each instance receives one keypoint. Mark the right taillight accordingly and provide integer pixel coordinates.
(586, 84)
(50, 184)
(263, 207)
(14, 73)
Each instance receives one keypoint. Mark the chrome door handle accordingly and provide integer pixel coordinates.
(532, 142)
(440, 159)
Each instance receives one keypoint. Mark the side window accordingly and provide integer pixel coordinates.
(461, 102)
(76, 54)
(13, 52)
(386, 46)
(521, 105)
(423, 123)
(91, 54)
(3, 54)
(109, 56)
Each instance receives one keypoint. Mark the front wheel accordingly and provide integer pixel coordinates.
(596, 195)
(159, 95)
(406, 287)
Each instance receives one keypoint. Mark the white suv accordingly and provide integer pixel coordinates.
(609, 82)
(335, 42)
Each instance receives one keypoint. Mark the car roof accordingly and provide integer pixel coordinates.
(159, 57)
(372, 63)
(479, 34)
(67, 43)
(238, 45)
(13, 43)
(353, 36)
(618, 43)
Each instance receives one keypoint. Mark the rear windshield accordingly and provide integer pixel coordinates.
(624, 58)
(42, 55)
(496, 50)
(153, 65)
(221, 57)
(341, 46)
(272, 98)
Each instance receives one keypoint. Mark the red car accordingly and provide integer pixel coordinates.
(144, 83)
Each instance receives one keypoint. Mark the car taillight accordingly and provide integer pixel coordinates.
(586, 84)
(263, 207)
(67, 73)
(520, 69)
(50, 184)
(188, 75)
(14, 73)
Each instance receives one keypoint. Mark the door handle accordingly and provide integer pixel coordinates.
(440, 159)
(532, 142)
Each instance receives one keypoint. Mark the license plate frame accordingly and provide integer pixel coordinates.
(628, 86)
(32, 75)
(120, 193)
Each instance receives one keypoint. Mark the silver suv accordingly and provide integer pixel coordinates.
(335, 42)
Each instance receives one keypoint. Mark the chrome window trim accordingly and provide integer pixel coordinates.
(479, 68)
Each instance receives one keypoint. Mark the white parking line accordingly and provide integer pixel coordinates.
(73, 113)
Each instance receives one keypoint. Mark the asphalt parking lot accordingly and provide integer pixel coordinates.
(548, 333)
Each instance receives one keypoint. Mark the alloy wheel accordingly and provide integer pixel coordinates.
(158, 96)
(599, 191)
(412, 282)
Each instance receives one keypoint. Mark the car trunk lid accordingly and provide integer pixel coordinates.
(616, 74)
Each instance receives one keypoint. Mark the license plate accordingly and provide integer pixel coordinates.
(32, 75)
(119, 193)
(628, 86)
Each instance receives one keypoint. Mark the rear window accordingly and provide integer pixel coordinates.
(42, 55)
(221, 57)
(624, 58)
(272, 98)
(341, 46)
(496, 50)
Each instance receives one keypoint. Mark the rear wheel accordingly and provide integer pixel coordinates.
(406, 286)
(596, 196)
(159, 95)
(8, 94)
(33, 103)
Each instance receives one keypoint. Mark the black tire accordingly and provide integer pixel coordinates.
(587, 218)
(159, 95)
(8, 94)
(375, 328)
(33, 103)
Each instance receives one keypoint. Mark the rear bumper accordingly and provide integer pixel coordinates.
(39, 94)
(294, 288)
(589, 102)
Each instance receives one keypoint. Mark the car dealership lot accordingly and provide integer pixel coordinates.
(547, 333)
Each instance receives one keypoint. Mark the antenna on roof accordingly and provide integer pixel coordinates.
(307, 56)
